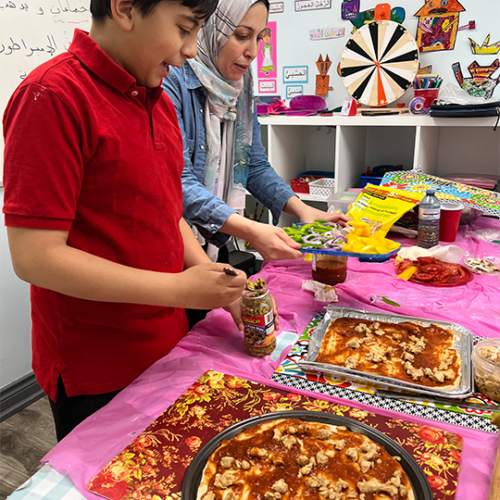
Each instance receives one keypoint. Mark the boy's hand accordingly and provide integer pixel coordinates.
(235, 310)
(207, 286)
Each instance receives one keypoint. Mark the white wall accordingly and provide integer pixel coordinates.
(15, 322)
(294, 47)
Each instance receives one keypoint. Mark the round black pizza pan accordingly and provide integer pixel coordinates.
(192, 479)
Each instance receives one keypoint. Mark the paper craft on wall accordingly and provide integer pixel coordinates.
(323, 80)
(438, 25)
(350, 9)
(480, 84)
(266, 57)
(485, 48)
(425, 70)
(398, 15)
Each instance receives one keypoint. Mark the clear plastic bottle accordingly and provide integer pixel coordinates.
(429, 212)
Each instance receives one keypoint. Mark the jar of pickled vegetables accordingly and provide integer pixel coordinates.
(258, 318)
(329, 269)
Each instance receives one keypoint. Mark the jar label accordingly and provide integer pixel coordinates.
(259, 330)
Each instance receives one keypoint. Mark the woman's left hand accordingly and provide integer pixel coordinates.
(309, 214)
(235, 309)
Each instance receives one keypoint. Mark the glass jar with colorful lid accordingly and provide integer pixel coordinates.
(258, 318)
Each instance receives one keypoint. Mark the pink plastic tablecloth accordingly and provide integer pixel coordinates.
(216, 345)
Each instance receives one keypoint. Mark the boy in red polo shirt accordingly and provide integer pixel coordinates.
(93, 205)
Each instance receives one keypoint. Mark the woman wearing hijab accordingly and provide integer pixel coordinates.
(223, 152)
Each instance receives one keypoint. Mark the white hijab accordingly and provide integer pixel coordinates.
(229, 103)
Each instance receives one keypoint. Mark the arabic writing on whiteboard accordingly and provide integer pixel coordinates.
(12, 46)
(31, 33)
(59, 8)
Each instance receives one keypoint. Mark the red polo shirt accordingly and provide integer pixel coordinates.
(90, 152)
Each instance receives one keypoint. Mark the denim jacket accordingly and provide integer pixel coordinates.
(201, 208)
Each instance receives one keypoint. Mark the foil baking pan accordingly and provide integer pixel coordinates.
(462, 343)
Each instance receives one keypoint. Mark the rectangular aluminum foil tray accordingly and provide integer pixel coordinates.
(463, 344)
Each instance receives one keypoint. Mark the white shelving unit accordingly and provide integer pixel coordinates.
(347, 145)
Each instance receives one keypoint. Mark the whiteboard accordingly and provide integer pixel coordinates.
(32, 32)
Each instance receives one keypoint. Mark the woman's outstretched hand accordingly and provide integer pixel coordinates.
(311, 213)
(273, 243)
(306, 213)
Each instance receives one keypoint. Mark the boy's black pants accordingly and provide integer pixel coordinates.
(68, 412)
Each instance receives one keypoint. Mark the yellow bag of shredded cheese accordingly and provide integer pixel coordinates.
(381, 206)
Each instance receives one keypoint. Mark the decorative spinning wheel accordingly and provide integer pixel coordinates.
(379, 63)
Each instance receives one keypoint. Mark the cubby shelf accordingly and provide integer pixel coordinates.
(347, 145)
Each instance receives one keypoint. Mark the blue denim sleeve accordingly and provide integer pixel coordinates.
(263, 181)
(200, 207)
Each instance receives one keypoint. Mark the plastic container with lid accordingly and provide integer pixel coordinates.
(486, 360)
(258, 318)
(329, 269)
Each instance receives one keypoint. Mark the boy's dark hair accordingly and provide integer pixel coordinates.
(100, 9)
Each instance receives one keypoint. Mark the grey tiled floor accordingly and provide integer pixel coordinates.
(24, 439)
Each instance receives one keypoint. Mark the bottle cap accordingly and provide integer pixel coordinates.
(430, 191)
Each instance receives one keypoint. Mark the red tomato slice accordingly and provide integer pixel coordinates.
(421, 276)
(426, 260)
(432, 268)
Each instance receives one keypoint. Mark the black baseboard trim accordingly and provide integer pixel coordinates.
(18, 395)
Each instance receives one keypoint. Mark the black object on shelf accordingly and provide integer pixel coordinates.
(245, 261)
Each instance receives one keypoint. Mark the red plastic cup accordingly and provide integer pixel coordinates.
(449, 220)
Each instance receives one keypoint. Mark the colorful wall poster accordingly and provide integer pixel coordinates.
(481, 83)
(295, 74)
(276, 7)
(267, 86)
(266, 57)
(438, 25)
(301, 5)
(294, 90)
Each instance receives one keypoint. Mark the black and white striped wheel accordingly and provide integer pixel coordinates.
(379, 63)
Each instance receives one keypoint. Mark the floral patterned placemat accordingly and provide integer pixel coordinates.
(289, 373)
(152, 467)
